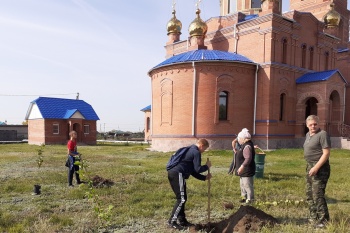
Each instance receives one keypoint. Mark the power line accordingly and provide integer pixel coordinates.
(38, 95)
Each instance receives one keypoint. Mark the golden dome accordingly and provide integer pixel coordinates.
(174, 25)
(198, 27)
(332, 18)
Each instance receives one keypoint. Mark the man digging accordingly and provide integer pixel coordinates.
(190, 164)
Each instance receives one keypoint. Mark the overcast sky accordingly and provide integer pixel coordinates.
(102, 49)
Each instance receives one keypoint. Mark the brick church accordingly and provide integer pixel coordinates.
(253, 67)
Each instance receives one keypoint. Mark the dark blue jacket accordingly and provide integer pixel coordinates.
(191, 164)
(72, 160)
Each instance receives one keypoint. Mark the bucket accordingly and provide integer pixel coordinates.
(259, 164)
(36, 189)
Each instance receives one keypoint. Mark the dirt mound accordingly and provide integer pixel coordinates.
(246, 219)
(100, 182)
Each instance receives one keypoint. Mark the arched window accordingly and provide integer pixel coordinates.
(148, 124)
(282, 106)
(303, 56)
(326, 60)
(223, 103)
(311, 64)
(284, 51)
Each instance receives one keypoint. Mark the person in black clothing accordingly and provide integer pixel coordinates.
(245, 166)
(235, 148)
(189, 165)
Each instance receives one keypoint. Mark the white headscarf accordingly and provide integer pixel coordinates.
(244, 134)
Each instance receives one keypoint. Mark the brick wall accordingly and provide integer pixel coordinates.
(40, 131)
(175, 122)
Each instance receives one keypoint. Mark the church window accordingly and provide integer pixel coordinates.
(223, 103)
(284, 51)
(326, 60)
(303, 56)
(232, 6)
(311, 65)
(256, 4)
(148, 124)
(282, 106)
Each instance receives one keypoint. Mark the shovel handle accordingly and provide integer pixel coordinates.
(208, 196)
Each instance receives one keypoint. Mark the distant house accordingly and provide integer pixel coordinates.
(13, 132)
(51, 119)
(147, 111)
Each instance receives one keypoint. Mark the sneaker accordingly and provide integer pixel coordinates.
(312, 220)
(185, 223)
(320, 225)
(249, 201)
(174, 225)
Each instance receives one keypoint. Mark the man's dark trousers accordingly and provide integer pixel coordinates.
(178, 184)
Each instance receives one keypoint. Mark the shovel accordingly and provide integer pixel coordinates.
(208, 197)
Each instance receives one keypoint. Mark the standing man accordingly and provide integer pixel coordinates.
(316, 152)
(189, 165)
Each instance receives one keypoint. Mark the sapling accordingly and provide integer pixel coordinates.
(103, 214)
(39, 161)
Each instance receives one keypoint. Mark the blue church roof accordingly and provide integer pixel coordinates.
(57, 108)
(204, 55)
(341, 50)
(318, 76)
(249, 17)
(148, 108)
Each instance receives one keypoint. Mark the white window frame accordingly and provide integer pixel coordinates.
(88, 127)
(58, 128)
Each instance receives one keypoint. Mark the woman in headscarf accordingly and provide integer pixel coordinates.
(245, 166)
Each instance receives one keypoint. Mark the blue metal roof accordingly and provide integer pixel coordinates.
(318, 76)
(343, 50)
(57, 108)
(249, 17)
(204, 55)
(70, 113)
(148, 108)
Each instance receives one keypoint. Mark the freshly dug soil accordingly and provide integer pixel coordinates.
(100, 182)
(246, 219)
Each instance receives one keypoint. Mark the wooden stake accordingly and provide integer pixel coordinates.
(208, 197)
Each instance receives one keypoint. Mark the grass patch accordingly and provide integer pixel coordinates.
(142, 198)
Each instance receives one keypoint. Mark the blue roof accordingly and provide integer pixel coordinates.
(343, 50)
(318, 76)
(204, 55)
(57, 108)
(148, 108)
(70, 113)
(249, 17)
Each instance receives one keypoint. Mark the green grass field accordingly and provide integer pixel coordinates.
(141, 199)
